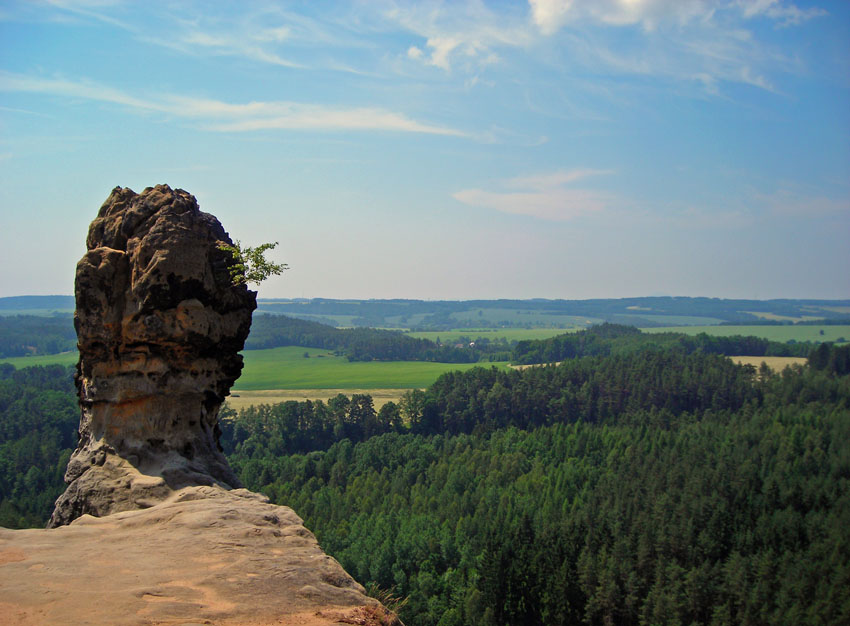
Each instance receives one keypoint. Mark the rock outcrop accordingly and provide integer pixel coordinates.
(154, 527)
(203, 556)
(159, 326)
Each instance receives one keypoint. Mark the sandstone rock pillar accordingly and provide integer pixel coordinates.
(159, 326)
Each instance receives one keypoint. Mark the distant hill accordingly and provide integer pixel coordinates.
(30, 303)
(539, 313)
(433, 315)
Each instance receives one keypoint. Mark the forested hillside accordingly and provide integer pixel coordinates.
(360, 344)
(38, 431)
(709, 497)
(644, 312)
(649, 486)
(606, 339)
(22, 335)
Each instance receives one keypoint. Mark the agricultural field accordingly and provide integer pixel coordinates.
(524, 316)
(679, 320)
(776, 363)
(783, 334)
(63, 358)
(243, 399)
(510, 334)
(784, 318)
(287, 368)
(337, 321)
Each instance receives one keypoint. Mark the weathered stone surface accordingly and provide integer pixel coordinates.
(159, 326)
(202, 556)
(153, 528)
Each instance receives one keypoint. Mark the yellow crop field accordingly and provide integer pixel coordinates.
(776, 363)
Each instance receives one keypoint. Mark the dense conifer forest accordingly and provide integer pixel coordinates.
(649, 485)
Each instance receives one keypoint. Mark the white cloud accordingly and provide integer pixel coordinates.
(442, 47)
(550, 15)
(281, 33)
(222, 116)
(250, 46)
(554, 179)
(787, 14)
(461, 34)
(698, 42)
(313, 117)
(544, 196)
(83, 89)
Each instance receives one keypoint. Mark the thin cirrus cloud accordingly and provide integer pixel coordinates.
(542, 196)
(692, 41)
(216, 115)
(551, 15)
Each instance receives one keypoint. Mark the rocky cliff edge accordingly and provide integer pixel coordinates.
(153, 527)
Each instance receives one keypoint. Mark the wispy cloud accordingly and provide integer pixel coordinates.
(541, 182)
(256, 44)
(552, 15)
(699, 42)
(314, 117)
(796, 203)
(92, 9)
(220, 116)
(786, 14)
(265, 33)
(544, 196)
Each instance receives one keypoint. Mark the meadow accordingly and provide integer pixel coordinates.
(773, 333)
(63, 358)
(287, 368)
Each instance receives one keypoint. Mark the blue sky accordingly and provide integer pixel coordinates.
(456, 150)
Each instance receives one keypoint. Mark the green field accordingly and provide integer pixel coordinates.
(286, 368)
(774, 333)
(511, 334)
(678, 320)
(523, 316)
(65, 358)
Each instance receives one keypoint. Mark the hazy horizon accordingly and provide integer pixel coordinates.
(458, 151)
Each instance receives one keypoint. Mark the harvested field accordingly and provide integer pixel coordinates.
(244, 399)
(776, 363)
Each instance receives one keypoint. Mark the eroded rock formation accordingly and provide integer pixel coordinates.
(151, 529)
(159, 327)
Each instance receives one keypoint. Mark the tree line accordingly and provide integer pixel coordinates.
(362, 344)
(23, 335)
(606, 339)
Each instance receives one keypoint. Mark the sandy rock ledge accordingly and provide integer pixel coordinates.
(203, 556)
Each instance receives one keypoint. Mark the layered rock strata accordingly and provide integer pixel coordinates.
(159, 326)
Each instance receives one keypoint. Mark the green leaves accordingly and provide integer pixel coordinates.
(249, 265)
